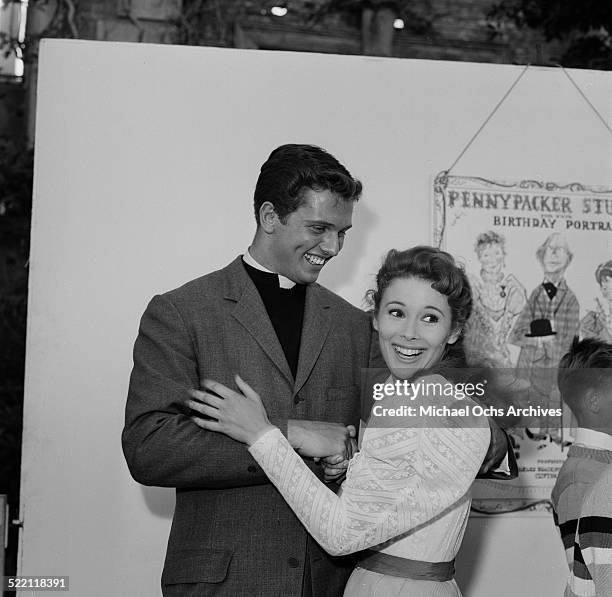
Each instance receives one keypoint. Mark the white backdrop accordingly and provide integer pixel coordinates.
(146, 161)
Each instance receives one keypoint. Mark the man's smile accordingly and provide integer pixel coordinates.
(314, 259)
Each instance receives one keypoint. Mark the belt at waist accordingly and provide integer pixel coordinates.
(383, 563)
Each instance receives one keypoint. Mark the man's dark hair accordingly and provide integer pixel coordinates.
(292, 168)
(587, 365)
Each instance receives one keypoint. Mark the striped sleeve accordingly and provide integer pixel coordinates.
(567, 531)
(592, 570)
(568, 536)
(595, 539)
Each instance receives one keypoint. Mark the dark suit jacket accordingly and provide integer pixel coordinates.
(232, 533)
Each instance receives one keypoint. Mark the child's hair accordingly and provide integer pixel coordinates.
(586, 366)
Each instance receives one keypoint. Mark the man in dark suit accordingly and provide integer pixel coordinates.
(298, 344)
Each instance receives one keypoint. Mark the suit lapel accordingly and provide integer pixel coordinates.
(315, 328)
(251, 313)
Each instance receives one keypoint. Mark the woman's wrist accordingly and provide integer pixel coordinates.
(257, 435)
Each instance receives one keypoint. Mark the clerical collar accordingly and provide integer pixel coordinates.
(589, 438)
(250, 260)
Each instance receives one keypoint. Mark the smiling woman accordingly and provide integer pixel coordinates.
(409, 513)
(413, 334)
(421, 304)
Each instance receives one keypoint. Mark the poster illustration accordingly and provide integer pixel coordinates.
(539, 259)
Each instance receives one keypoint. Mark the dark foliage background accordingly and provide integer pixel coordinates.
(16, 165)
(585, 27)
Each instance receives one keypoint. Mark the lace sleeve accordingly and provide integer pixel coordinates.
(402, 478)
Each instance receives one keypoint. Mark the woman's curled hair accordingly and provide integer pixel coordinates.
(432, 265)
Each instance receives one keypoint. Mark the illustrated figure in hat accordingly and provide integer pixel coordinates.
(544, 331)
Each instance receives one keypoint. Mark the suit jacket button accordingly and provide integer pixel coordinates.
(296, 399)
(252, 468)
(293, 562)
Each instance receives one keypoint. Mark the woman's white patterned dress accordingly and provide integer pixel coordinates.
(406, 492)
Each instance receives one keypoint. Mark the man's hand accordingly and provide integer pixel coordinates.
(499, 447)
(334, 467)
(321, 439)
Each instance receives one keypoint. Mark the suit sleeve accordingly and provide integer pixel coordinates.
(402, 478)
(506, 467)
(162, 446)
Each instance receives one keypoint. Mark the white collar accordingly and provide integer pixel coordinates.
(589, 438)
(250, 260)
(557, 284)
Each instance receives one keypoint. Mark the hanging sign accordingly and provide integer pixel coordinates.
(539, 259)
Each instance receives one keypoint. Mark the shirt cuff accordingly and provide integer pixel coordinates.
(267, 437)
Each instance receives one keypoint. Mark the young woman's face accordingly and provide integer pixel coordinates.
(414, 324)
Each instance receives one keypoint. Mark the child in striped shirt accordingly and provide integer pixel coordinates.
(585, 383)
(591, 574)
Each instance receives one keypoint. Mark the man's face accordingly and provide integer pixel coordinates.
(555, 258)
(310, 236)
